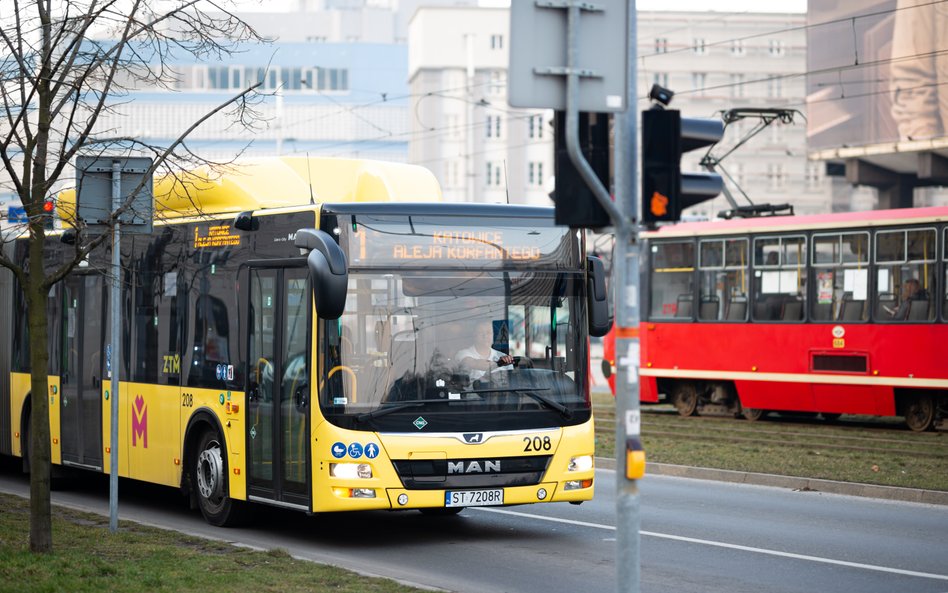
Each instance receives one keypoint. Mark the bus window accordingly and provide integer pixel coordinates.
(722, 272)
(905, 282)
(779, 278)
(673, 266)
(841, 277)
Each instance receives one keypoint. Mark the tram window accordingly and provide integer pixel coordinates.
(841, 276)
(780, 278)
(944, 266)
(723, 280)
(673, 267)
(905, 275)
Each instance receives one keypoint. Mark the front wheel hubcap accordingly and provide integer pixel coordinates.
(210, 472)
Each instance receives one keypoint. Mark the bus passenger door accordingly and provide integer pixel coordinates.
(278, 387)
(80, 402)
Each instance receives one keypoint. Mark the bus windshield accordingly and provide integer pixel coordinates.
(419, 348)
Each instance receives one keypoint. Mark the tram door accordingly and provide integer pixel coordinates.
(278, 386)
(80, 402)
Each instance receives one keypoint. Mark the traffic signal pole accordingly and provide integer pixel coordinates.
(628, 267)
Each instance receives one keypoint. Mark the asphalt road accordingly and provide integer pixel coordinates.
(696, 535)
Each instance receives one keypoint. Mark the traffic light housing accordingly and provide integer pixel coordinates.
(666, 191)
(49, 209)
(576, 205)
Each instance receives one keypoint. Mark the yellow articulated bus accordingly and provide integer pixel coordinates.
(325, 335)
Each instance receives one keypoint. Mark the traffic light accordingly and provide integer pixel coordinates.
(666, 191)
(576, 205)
(49, 206)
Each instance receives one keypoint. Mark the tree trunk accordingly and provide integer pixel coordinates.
(41, 533)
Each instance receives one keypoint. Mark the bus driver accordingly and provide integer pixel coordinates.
(481, 358)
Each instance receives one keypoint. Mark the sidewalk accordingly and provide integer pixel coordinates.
(790, 482)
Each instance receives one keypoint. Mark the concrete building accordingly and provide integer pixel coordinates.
(483, 150)
(480, 148)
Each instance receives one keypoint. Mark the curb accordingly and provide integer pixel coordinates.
(790, 482)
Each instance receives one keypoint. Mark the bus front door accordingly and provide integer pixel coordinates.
(278, 386)
(80, 402)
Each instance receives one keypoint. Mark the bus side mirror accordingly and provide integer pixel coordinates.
(328, 271)
(597, 299)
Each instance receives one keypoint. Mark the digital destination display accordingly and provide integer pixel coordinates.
(431, 240)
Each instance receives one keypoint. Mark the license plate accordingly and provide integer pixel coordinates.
(473, 498)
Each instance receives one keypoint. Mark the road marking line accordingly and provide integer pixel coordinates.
(705, 542)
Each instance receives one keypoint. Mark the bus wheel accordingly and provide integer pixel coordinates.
(685, 398)
(753, 414)
(209, 478)
(920, 413)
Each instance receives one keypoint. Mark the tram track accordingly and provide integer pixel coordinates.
(607, 423)
(852, 449)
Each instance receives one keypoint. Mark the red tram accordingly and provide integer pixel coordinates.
(831, 314)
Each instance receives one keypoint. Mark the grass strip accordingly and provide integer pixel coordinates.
(88, 558)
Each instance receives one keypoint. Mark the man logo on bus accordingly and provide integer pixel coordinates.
(140, 422)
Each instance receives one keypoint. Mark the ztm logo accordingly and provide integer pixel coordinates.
(140, 422)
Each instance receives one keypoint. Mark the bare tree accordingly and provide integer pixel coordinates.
(65, 65)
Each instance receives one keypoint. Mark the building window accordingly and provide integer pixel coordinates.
(498, 82)
(738, 48)
(497, 42)
(661, 45)
(700, 47)
(660, 78)
(698, 82)
(493, 174)
(535, 126)
(775, 87)
(776, 178)
(535, 173)
(737, 85)
(777, 48)
(493, 126)
(814, 176)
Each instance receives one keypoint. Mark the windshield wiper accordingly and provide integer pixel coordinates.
(395, 407)
(531, 393)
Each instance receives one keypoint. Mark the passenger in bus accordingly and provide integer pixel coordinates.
(911, 291)
(481, 357)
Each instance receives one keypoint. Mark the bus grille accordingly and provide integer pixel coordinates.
(437, 474)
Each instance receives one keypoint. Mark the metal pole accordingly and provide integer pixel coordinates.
(115, 347)
(629, 262)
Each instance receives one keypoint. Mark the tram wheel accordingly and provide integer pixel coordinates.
(685, 398)
(830, 417)
(753, 414)
(209, 481)
(920, 413)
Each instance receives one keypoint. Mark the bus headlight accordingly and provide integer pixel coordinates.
(580, 464)
(350, 471)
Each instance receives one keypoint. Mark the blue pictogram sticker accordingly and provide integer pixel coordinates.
(338, 450)
(355, 450)
(371, 450)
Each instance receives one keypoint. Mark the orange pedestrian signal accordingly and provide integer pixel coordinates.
(658, 205)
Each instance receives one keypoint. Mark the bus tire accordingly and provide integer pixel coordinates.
(209, 481)
(920, 412)
(685, 398)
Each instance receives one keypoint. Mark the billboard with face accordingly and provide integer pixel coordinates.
(877, 72)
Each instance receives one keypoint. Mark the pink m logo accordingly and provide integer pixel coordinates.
(140, 422)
